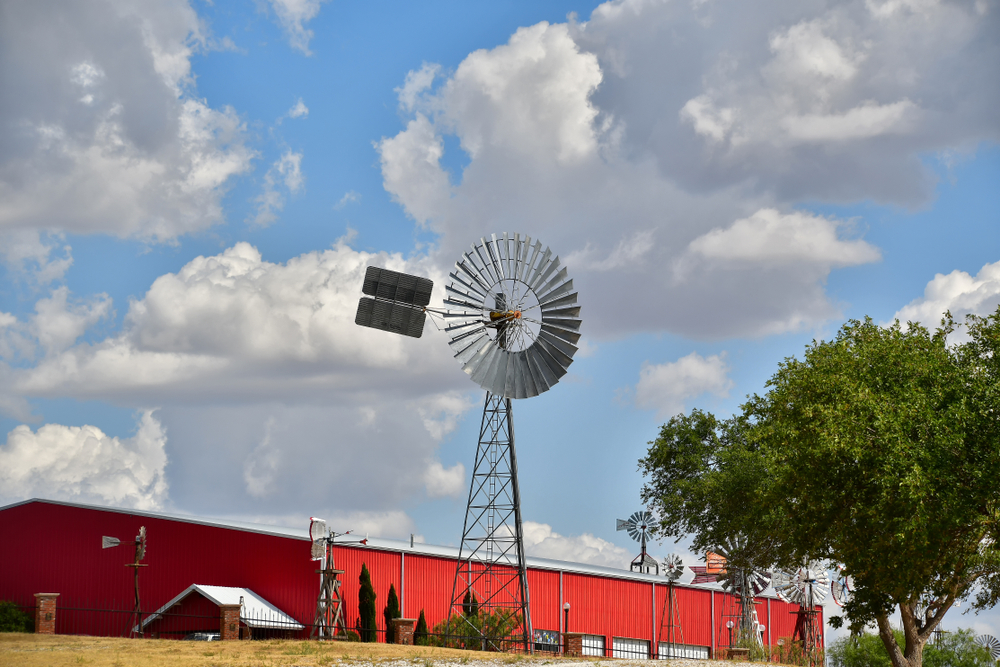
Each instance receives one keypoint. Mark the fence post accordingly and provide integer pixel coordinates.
(573, 644)
(45, 613)
(229, 621)
(404, 630)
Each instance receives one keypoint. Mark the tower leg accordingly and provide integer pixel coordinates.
(491, 562)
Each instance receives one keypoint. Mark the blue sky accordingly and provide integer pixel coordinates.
(189, 194)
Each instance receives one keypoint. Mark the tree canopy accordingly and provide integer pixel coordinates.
(878, 451)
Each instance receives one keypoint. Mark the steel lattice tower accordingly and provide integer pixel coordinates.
(491, 561)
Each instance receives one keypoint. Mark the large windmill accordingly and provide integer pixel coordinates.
(135, 626)
(512, 317)
(329, 620)
(638, 526)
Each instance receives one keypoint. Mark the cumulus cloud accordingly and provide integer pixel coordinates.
(58, 324)
(771, 239)
(543, 542)
(627, 159)
(103, 130)
(29, 253)
(293, 15)
(237, 324)
(958, 292)
(666, 387)
(287, 172)
(300, 110)
(83, 464)
(440, 481)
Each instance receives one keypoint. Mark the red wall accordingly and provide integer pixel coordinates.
(51, 547)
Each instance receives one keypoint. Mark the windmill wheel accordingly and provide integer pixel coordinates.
(673, 568)
(991, 644)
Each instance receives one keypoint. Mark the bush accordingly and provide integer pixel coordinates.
(390, 612)
(955, 649)
(420, 634)
(12, 619)
(496, 631)
(367, 623)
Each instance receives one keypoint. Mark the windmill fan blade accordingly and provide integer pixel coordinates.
(991, 644)
(318, 550)
(317, 528)
(514, 320)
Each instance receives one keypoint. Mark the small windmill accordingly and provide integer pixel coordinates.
(329, 620)
(670, 622)
(842, 588)
(807, 587)
(991, 644)
(638, 526)
(745, 582)
(140, 553)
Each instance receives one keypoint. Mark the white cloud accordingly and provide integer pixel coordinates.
(115, 140)
(441, 482)
(771, 238)
(57, 324)
(417, 81)
(288, 171)
(627, 163)
(542, 542)
(300, 110)
(236, 323)
(293, 15)
(666, 387)
(350, 197)
(29, 255)
(260, 466)
(958, 292)
(83, 464)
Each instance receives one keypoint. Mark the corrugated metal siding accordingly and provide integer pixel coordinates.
(693, 607)
(544, 590)
(429, 581)
(58, 550)
(608, 607)
(383, 566)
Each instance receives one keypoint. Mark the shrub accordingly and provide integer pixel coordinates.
(420, 635)
(12, 619)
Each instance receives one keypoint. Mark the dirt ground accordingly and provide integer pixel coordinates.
(24, 650)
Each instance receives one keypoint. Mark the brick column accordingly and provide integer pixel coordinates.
(229, 621)
(404, 630)
(573, 644)
(45, 613)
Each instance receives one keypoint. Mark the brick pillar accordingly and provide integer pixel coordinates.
(404, 630)
(573, 644)
(229, 621)
(45, 613)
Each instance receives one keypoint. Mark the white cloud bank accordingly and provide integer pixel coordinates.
(82, 464)
(666, 387)
(543, 542)
(293, 15)
(958, 292)
(103, 131)
(658, 135)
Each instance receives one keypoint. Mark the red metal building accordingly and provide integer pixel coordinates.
(55, 547)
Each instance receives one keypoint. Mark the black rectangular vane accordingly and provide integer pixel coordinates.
(384, 284)
(396, 318)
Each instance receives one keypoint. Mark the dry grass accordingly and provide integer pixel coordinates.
(26, 650)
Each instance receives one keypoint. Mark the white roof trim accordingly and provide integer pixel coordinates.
(256, 611)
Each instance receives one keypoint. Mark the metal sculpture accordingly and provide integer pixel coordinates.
(135, 627)
(328, 622)
(513, 321)
(745, 582)
(807, 587)
(638, 526)
(671, 631)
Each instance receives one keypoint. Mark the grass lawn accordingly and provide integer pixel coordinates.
(28, 650)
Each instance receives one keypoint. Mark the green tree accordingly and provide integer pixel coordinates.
(954, 649)
(877, 451)
(420, 634)
(390, 612)
(12, 619)
(367, 624)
